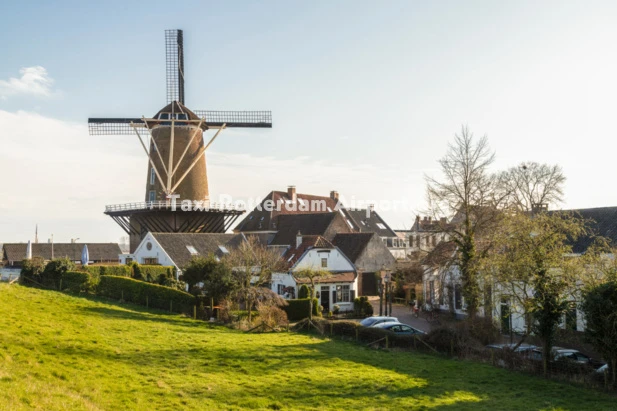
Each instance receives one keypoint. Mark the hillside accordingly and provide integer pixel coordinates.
(64, 352)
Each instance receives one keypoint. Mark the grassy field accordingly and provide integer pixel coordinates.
(63, 352)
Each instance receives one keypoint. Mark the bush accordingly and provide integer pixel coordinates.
(303, 292)
(54, 270)
(76, 281)
(272, 316)
(31, 271)
(336, 309)
(299, 309)
(143, 293)
(362, 307)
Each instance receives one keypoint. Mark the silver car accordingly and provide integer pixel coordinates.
(373, 321)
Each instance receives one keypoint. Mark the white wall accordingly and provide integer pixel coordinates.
(336, 260)
(156, 251)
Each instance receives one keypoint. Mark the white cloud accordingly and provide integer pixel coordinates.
(33, 81)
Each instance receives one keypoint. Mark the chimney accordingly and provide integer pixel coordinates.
(291, 193)
(430, 219)
(442, 220)
(298, 239)
(334, 195)
(372, 208)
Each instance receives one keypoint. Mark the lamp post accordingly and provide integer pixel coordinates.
(388, 293)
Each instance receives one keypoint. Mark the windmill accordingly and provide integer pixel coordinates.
(173, 141)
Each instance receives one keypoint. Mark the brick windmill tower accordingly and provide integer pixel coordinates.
(173, 141)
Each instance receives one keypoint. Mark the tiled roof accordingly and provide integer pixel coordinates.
(261, 220)
(175, 244)
(346, 277)
(368, 222)
(103, 252)
(293, 253)
(440, 255)
(602, 222)
(352, 244)
(308, 224)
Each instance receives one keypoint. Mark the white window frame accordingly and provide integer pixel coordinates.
(152, 176)
(152, 196)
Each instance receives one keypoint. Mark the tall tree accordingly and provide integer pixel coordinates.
(208, 276)
(530, 264)
(470, 193)
(252, 265)
(530, 185)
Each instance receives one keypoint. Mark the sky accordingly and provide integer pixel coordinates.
(365, 98)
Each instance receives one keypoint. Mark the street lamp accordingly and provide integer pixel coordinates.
(388, 292)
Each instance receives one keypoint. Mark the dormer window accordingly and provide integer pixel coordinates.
(164, 116)
(192, 250)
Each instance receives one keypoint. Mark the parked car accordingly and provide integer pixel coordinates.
(522, 349)
(372, 321)
(602, 369)
(399, 328)
(560, 353)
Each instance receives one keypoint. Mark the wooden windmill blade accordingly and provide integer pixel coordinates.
(116, 126)
(174, 65)
(246, 119)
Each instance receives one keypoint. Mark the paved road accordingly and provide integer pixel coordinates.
(403, 314)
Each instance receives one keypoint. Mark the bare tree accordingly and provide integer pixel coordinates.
(252, 265)
(531, 184)
(473, 196)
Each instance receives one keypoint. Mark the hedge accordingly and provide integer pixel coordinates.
(143, 293)
(76, 281)
(115, 270)
(152, 273)
(299, 309)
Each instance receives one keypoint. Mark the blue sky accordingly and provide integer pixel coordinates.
(365, 97)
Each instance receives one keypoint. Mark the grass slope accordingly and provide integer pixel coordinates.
(63, 352)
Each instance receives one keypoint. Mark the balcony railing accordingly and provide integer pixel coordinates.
(166, 205)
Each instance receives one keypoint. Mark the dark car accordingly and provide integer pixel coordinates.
(399, 328)
(521, 349)
(372, 321)
(562, 354)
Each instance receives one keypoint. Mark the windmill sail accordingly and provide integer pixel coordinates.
(174, 51)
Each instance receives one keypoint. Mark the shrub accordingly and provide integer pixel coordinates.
(299, 309)
(143, 293)
(31, 270)
(54, 270)
(156, 273)
(272, 316)
(303, 292)
(362, 307)
(336, 308)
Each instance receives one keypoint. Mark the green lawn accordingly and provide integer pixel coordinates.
(63, 352)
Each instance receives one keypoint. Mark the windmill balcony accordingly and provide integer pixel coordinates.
(166, 205)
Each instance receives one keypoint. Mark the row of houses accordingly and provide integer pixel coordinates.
(442, 288)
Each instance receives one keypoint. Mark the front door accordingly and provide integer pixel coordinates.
(325, 298)
(505, 317)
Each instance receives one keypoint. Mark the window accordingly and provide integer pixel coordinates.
(324, 262)
(192, 250)
(152, 176)
(151, 195)
(418, 241)
(342, 293)
(458, 298)
(431, 287)
(383, 227)
(433, 240)
(128, 260)
(223, 249)
(280, 289)
(150, 261)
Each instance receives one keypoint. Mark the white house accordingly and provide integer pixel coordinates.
(177, 249)
(312, 251)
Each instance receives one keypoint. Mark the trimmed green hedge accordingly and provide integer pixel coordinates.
(152, 273)
(115, 270)
(76, 281)
(143, 293)
(299, 309)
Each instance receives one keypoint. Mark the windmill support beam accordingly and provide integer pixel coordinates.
(158, 152)
(197, 158)
(186, 149)
(149, 157)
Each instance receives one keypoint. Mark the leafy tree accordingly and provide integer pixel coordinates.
(251, 265)
(31, 270)
(303, 292)
(530, 264)
(312, 275)
(208, 276)
(473, 196)
(55, 269)
(600, 308)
